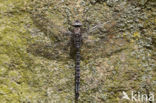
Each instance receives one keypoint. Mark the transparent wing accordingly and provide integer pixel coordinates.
(110, 23)
(100, 39)
(49, 23)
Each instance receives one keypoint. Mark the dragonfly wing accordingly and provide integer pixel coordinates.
(99, 48)
(99, 40)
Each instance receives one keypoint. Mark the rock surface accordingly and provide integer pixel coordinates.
(119, 50)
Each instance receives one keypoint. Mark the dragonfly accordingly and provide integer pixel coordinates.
(60, 36)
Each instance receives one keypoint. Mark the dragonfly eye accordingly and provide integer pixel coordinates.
(77, 23)
(77, 34)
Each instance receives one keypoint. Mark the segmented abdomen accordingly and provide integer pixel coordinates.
(77, 65)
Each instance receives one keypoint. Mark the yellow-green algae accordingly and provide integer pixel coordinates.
(14, 72)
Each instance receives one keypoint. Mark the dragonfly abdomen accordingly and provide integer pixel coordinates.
(77, 74)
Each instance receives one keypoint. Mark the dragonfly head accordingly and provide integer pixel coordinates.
(77, 23)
